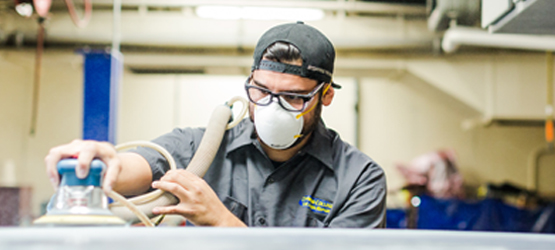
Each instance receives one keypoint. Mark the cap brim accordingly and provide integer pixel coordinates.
(335, 85)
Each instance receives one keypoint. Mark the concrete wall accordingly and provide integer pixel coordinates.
(399, 124)
(152, 105)
(418, 109)
(58, 118)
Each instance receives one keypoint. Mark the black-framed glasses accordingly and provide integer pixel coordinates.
(289, 101)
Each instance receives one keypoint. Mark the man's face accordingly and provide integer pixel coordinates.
(281, 82)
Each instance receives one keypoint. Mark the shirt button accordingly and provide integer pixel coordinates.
(262, 221)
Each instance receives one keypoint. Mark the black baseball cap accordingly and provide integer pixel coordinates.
(316, 50)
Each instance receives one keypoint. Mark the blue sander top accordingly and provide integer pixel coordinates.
(66, 168)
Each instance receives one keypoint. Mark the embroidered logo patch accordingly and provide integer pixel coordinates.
(316, 205)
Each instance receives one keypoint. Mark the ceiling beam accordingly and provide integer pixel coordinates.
(349, 6)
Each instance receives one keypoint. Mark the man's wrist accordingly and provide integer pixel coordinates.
(230, 220)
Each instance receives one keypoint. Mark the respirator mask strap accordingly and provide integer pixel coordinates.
(313, 106)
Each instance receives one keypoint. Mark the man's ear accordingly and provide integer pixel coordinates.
(328, 96)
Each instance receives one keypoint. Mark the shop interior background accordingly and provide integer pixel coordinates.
(404, 94)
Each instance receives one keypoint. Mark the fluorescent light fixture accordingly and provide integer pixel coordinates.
(219, 12)
(259, 13)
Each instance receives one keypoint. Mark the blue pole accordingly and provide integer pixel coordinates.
(102, 74)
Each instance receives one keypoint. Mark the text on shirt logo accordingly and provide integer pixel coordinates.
(316, 205)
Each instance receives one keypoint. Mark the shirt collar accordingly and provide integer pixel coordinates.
(241, 135)
(320, 145)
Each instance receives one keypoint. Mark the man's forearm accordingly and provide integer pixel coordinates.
(135, 177)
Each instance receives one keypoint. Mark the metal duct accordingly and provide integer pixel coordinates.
(522, 17)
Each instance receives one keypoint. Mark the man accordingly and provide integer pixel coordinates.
(281, 167)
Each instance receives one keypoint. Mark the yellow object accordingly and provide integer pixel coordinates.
(549, 104)
(482, 192)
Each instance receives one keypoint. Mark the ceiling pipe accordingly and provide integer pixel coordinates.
(456, 36)
(354, 6)
(446, 11)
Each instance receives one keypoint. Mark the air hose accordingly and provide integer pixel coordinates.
(140, 207)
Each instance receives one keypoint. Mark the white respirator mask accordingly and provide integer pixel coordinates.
(275, 126)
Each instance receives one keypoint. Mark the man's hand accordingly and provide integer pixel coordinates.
(85, 151)
(197, 201)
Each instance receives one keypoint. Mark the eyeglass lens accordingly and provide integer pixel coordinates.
(257, 95)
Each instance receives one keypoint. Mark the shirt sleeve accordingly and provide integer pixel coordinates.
(364, 205)
(180, 143)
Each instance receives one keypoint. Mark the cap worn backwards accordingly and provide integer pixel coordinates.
(316, 51)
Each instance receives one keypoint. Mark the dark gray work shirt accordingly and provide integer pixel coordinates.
(328, 183)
